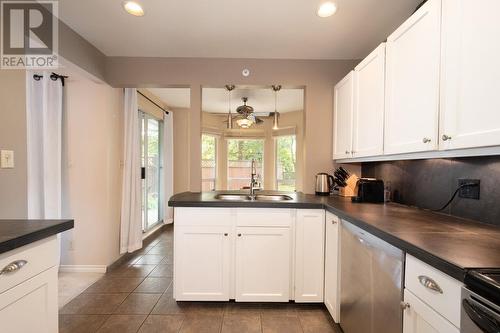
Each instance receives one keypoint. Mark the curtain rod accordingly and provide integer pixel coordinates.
(149, 99)
(53, 77)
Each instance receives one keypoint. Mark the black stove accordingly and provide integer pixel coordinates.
(485, 282)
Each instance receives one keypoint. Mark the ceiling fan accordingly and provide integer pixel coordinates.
(246, 117)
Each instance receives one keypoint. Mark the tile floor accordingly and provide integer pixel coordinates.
(136, 296)
(73, 284)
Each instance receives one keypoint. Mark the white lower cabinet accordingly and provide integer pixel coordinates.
(202, 263)
(332, 297)
(262, 264)
(309, 255)
(419, 317)
(250, 255)
(28, 295)
(31, 306)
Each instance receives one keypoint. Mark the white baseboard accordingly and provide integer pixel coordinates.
(82, 268)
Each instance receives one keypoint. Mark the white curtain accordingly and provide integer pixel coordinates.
(168, 166)
(131, 225)
(44, 99)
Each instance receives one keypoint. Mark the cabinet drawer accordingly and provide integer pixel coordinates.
(442, 292)
(264, 217)
(39, 256)
(203, 216)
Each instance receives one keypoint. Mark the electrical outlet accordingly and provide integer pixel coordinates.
(469, 192)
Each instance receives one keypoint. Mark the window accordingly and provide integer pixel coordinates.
(208, 162)
(286, 161)
(240, 153)
(151, 147)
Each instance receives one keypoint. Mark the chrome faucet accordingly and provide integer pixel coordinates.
(253, 180)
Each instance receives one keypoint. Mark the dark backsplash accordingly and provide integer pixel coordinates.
(430, 184)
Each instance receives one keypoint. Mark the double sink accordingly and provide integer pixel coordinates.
(258, 197)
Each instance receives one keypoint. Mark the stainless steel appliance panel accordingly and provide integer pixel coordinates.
(371, 283)
(478, 315)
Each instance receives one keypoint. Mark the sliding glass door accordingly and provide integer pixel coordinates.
(151, 147)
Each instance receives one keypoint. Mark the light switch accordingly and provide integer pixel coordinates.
(6, 159)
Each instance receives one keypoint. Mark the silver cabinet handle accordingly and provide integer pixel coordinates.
(446, 137)
(429, 283)
(426, 140)
(239, 235)
(334, 222)
(13, 266)
(225, 234)
(347, 152)
(404, 305)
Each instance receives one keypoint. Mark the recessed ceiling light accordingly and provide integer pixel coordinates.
(133, 8)
(327, 9)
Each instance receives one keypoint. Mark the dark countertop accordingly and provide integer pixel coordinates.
(17, 233)
(451, 244)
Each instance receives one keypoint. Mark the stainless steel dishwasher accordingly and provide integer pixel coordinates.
(371, 283)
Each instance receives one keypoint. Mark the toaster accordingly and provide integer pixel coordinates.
(369, 190)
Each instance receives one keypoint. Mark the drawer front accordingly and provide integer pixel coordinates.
(39, 256)
(194, 216)
(436, 289)
(264, 217)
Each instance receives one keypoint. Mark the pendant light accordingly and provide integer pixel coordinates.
(229, 88)
(276, 114)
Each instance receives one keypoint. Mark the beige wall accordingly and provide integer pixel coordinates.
(317, 76)
(181, 150)
(92, 152)
(13, 182)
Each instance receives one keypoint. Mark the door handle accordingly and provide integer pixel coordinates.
(426, 140)
(239, 235)
(446, 137)
(13, 266)
(429, 283)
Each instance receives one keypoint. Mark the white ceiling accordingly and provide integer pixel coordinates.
(215, 100)
(286, 29)
(175, 98)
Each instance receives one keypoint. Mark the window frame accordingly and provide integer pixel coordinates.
(240, 138)
(276, 182)
(216, 152)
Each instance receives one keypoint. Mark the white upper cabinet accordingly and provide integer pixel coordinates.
(368, 119)
(470, 80)
(342, 117)
(412, 82)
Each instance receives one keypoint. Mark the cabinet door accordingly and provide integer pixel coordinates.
(201, 263)
(31, 306)
(368, 120)
(412, 82)
(262, 264)
(309, 255)
(342, 117)
(470, 100)
(332, 299)
(418, 317)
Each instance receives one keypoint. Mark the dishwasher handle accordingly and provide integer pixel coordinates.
(480, 318)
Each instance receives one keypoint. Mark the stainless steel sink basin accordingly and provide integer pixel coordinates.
(233, 197)
(272, 197)
(258, 197)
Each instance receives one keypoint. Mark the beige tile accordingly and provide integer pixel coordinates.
(162, 324)
(243, 308)
(150, 259)
(153, 285)
(137, 303)
(122, 324)
(207, 308)
(160, 250)
(80, 323)
(240, 323)
(201, 324)
(281, 324)
(72, 284)
(162, 271)
(167, 305)
(94, 304)
(317, 322)
(114, 285)
(279, 309)
(132, 271)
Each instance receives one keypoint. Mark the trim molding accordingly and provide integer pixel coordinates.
(83, 268)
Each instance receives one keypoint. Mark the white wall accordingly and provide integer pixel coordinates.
(92, 170)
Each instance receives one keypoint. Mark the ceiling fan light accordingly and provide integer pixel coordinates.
(244, 123)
